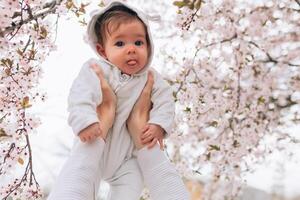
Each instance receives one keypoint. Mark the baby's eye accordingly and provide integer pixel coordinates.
(119, 44)
(139, 43)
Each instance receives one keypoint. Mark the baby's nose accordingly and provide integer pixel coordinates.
(131, 48)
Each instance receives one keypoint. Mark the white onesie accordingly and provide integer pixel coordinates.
(115, 160)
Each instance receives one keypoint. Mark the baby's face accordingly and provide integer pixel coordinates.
(127, 47)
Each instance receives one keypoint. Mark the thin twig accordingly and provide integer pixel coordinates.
(272, 59)
(51, 7)
(222, 41)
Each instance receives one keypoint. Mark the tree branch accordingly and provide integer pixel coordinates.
(222, 41)
(29, 167)
(47, 8)
(272, 59)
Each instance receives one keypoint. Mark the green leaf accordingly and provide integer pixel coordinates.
(6, 62)
(101, 4)
(25, 102)
(83, 22)
(2, 133)
(179, 4)
(214, 147)
(198, 4)
(236, 144)
(214, 124)
(191, 6)
(261, 100)
(43, 33)
(174, 94)
(2, 118)
(10, 62)
(20, 52)
(77, 13)
(208, 156)
(82, 8)
(226, 87)
(69, 4)
(187, 109)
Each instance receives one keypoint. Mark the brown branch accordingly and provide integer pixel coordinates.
(187, 23)
(238, 89)
(32, 176)
(272, 59)
(181, 84)
(29, 167)
(222, 41)
(27, 44)
(13, 35)
(12, 146)
(48, 8)
(2, 118)
(196, 76)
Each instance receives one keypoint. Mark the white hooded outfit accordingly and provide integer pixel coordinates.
(115, 160)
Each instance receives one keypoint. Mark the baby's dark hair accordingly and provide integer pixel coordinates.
(111, 20)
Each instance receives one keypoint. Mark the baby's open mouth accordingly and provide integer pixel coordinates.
(131, 62)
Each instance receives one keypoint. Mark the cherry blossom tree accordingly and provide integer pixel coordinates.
(235, 72)
(237, 81)
(27, 36)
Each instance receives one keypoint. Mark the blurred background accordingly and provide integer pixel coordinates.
(277, 178)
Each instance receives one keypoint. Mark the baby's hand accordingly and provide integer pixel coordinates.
(90, 133)
(152, 133)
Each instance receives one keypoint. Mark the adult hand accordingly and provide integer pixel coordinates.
(139, 115)
(106, 110)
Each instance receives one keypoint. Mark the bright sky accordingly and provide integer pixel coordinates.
(54, 137)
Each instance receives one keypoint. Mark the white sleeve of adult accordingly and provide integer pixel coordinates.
(85, 94)
(160, 175)
(80, 176)
(163, 110)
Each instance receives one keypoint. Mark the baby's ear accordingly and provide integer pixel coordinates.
(100, 50)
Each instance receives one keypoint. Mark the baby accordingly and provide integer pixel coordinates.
(121, 37)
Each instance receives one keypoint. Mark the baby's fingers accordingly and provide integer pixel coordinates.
(161, 144)
(153, 143)
(82, 138)
(94, 135)
(145, 134)
(147, 139)
(89, 138)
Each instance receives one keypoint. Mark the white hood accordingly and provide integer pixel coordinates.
(92, 38)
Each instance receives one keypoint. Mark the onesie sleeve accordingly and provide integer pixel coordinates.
(85, 94)
(163, 110)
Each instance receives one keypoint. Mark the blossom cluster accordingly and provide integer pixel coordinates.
(26, 38)
(238, 79)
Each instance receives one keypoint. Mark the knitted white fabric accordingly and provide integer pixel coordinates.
(160, 175)
(77, 180)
